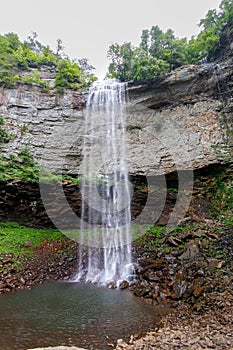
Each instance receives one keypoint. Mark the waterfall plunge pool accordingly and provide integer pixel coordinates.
(77, 314)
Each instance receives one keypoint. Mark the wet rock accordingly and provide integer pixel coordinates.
(111, 285)
(200, 286)
(22, 280)
(141, 289)
(124, 285)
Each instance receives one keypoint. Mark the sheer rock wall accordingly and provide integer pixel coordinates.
(182, 122)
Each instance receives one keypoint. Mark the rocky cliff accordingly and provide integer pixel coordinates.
(182, 122)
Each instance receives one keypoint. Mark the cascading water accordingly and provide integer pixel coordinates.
(105, 245)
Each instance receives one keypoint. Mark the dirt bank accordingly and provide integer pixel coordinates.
(55, 260)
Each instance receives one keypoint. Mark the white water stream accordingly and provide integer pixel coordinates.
(105, 250)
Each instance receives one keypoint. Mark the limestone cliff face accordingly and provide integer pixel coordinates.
(45, 123)
(183, 122)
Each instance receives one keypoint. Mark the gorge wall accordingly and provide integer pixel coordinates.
(182, 122)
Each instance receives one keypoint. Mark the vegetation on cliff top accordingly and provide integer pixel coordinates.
(17, 57)
(158, 53)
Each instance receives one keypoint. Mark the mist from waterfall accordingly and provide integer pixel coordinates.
(105, 247)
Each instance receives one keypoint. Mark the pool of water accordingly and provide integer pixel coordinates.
(72, 314)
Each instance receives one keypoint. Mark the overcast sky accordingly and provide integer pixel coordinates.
(87, 28)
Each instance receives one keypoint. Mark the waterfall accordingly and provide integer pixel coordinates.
(105, 244)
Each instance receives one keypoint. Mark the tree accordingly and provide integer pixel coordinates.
(175, 53)
(60, 48)
(33, 44)
(146, 67)
(209, 20)
(121, 61)
(226, 8)
(85, 66)
(13, 40)
(161, 52)
(16, 57)
(70, 76)
(156, 36)
(145, 41)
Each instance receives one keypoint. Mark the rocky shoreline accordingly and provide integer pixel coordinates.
(198, 287)
(189, 269)
(48, 261)
(199, 263)
(185, 329)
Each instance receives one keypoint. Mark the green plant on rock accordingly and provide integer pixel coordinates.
(23, 129)
(4, 136)
(131, 127)
(222, 196)
(224, 153)
(22, 167)
(70, 76)
(47, 176)
(152, 239)
(34, 79)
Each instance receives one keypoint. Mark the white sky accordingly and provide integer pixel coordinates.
(87, 28)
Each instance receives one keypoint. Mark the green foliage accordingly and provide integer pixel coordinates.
(152, 239)
(21, 167)
(148, 68)
(229, 222)
(33, 79)
(4, 136)
(156, 55)
(47, 176)
(131, 127)
(225, 153)
(122, 60)
(222, 196)
(69, 76)
(159, 52)
(17, 56)
(15, 238)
